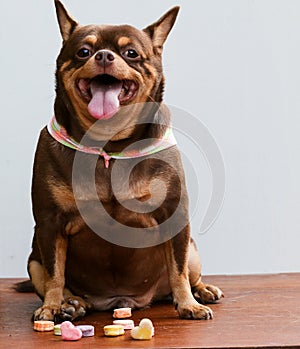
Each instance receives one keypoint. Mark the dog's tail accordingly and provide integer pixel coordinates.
(24, 286)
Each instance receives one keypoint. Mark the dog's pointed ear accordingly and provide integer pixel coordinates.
(160, 30)
(67, 23)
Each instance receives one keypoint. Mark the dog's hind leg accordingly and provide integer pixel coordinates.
(176, 251)
(202, 292)
(37, 275)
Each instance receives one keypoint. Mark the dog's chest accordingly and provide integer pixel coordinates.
(124, 181)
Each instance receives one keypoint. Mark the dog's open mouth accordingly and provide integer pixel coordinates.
(104, 94)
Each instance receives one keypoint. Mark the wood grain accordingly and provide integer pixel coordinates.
(257, 311)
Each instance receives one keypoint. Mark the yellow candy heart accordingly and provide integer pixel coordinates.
(113, 330)
(144, 331)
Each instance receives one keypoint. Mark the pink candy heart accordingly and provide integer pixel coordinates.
(69, 332)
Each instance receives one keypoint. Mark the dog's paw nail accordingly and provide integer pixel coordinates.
(65, 317)
(57, 318)
(70, 310)
(81, 312)
(74, 302)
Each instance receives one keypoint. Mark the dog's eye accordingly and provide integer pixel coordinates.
(132, 54)
(84, 53)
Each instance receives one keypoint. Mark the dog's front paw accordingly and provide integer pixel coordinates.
(195, 311)
(207, 293)
(73, 308)
(46, 313)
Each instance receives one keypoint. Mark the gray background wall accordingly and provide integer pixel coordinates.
(233, 64)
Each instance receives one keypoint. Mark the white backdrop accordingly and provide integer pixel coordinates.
(233, 64)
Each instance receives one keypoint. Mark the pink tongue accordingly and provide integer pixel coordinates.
(104, 103)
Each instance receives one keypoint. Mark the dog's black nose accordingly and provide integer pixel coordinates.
(105, 58)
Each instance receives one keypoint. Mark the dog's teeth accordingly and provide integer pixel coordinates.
(122, 94)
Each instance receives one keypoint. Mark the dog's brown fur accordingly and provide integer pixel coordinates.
(73, 269)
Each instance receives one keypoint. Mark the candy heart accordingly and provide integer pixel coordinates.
(87, 330)
(127, 324)
(69, 332)
(144, 330)
(57, 330)
(113, 330)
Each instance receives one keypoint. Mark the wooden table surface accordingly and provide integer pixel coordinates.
(257, 311)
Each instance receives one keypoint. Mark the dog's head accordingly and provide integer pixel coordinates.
(102, 67)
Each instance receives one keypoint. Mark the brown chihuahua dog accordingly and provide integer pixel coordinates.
(109, 87)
